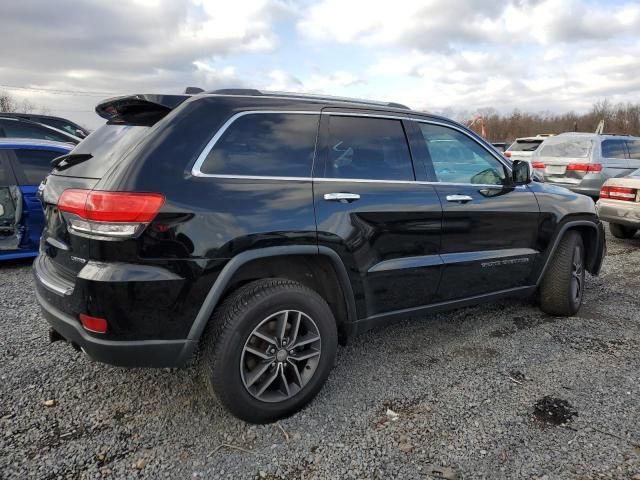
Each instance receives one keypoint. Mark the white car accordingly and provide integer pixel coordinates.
(523, 148)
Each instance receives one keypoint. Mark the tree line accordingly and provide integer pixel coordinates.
(618, 118)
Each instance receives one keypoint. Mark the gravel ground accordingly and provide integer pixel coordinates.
(461, 388)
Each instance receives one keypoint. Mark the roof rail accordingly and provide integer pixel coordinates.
(308, 96)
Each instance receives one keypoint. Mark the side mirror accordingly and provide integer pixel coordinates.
(521, 172)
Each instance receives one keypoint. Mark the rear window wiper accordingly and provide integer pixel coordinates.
(69, 160)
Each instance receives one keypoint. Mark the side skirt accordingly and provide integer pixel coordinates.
(387, 318)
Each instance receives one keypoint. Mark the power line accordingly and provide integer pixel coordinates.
(55, 91)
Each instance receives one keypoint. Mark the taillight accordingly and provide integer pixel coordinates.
(584, 167)
(507, 154)
(93, 324)
(109, 214)
(537, 165)
(618, 193)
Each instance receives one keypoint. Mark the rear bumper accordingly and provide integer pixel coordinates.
(144, 353)
(56, 297)
(620, 212)
(589, 185)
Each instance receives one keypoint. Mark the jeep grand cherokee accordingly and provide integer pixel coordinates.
(259, 230)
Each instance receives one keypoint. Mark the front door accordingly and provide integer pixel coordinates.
(489, 226)
(370, 210)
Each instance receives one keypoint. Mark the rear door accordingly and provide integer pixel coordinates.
(371, 211)
(489, 226)
(31, 167)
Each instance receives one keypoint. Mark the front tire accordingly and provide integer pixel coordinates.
(622, 231)
(269, 349)
(562, 286)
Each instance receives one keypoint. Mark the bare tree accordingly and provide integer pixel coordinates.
(8, 104)
(618, 118)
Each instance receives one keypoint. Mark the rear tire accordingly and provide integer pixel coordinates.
(255, 350)
(562, 286)
(622, 231)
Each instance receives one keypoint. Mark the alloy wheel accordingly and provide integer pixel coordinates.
(280, 356)
(577, 273)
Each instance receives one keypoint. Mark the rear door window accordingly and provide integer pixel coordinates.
(367, 148)
(33, 165)
(266, 145)
(17, 129)
(614, 149)
(457, 158)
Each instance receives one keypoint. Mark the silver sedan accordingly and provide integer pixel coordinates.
(619, 205)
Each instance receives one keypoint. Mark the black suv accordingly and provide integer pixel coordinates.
(260, 230)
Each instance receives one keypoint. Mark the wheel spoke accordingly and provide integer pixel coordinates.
(283, 377)
(281, 325)
(304, 356)
(257, 373)
(306, 340)
(266, 338)
(295, 327)
(258, 353)
(294, 367)
(268, 382)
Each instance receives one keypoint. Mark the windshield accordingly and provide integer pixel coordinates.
(558, 147)
(524, 145)
(102, 149)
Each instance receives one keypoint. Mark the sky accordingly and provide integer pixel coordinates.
(445, 56)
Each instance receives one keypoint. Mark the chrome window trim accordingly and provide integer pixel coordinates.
(422, 120)
(196, 169)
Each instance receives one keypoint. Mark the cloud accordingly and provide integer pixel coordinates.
(131, 45)
(315, 83)
(429, 54)
(443, 25)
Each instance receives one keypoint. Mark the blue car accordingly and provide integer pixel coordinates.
(24, 162)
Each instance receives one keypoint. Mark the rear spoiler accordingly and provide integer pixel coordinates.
(142, 109)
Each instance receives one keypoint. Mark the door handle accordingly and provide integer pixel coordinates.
(341, 197)
(459, 198)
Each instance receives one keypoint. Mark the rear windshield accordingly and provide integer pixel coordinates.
(558, 147)
(524, 145)
(635, 174)
(106, 145)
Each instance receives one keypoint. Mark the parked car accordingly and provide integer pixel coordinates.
(263, 229)
(523, 148)
(23, 165)
(619, 205)
(60, 123)
(582, 162)
(19, 128)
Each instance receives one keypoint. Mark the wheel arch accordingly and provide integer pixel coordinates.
(592, 234)
(318, 268)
